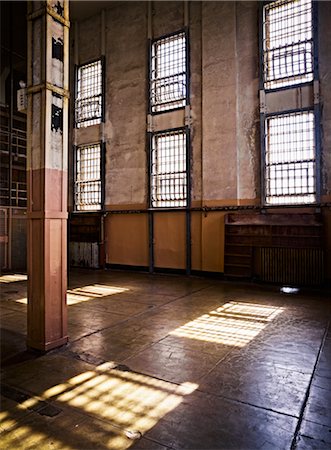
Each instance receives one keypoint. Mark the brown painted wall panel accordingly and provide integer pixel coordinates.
(170, 240)
(196, 224)
(213, 242)
(127, 239)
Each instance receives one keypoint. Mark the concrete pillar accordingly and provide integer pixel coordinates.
(47, 125)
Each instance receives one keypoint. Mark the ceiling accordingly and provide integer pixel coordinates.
(82, 9)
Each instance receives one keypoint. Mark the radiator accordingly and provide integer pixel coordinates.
(296, 266)
(84, 254)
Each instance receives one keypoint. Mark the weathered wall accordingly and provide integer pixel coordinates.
(125, 126)
(224, 130)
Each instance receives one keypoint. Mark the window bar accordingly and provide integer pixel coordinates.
(168, 75)
(89, 104)
(288, 43)
(88, 193)
(290, 158)
(168, 169)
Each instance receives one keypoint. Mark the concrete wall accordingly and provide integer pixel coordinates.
(225, 141)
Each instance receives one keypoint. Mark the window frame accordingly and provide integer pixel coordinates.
(187, 200)
(314, 106)
(80, 124)
(265, 166)
(99, 209)
(186, 98)
(263, 81)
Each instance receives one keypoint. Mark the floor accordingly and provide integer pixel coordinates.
(169, 362)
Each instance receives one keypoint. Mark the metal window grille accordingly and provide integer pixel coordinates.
(88, 104)
(290, 159)
(88, 178)
(168, 169)
(287, 43)
(168, 81)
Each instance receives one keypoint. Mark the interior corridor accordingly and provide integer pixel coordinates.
(169, 362)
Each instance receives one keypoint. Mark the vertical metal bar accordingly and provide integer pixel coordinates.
(263, 157)
(10, 140)
(262, 114)
(150, 213)
(187, 57)
(317, 113)
(188, 140)
(261, 47)
(103, 173)
(149, 136)
(151, 241)
(149, 55)
(103, 89)
(188, 203)
(74, 175)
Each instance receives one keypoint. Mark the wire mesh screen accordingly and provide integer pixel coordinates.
(88, 105)
(168, 73)
(288, 43)
(88, 178)
(290, 159)
(168, 169)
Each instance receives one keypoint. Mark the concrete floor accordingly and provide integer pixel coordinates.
(160, 362)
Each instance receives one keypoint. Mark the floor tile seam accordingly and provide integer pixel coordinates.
(308, 390)
(145, 347)
(185, 349)
(182, 296)
(96, 308)
(253, 405)
(14, 310)
(113, 326)
(157, 307)
(18, 421)
(316, 423)
(155, 441)
(44, 402)
(217, 364)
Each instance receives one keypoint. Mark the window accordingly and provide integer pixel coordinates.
(168, 169)
(168, 79)
(88, 178)
(290, 159)
(89, 95)
(287, 43)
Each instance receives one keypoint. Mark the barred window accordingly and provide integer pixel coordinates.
(168, 81)
(168, 169)
(89, 94)
(290, 159)
(287, 43)
(88, 178)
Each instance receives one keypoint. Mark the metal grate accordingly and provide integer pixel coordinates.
(288, 43)
(88, 104)
(298, 266)
(168, 73)
(168, 169)
(88, 178)
(290, 159)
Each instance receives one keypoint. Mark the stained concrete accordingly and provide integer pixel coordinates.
(176, 362)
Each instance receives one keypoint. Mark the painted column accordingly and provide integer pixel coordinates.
(48, 96)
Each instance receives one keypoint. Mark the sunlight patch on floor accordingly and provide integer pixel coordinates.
(234, 323)
(128, 401)
(86, 293)
(12, 278)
